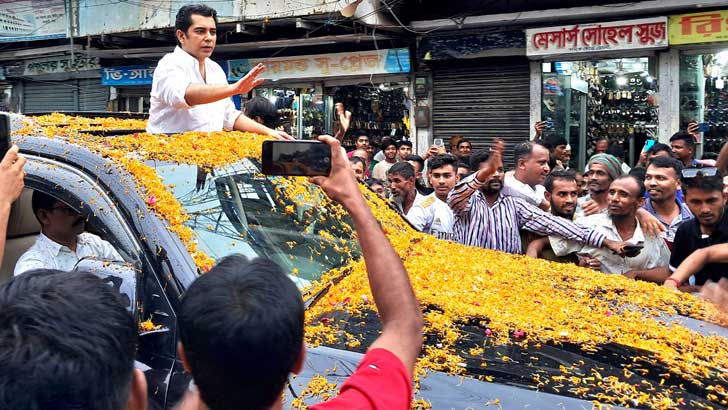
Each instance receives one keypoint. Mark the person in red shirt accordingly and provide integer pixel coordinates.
(241, 324)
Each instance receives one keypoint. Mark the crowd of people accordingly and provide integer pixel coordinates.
(67, 340)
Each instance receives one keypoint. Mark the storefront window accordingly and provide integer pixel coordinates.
(587, 100)
(301, 110)
(702, 97)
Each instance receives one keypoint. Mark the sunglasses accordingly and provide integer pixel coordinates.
(703, 172)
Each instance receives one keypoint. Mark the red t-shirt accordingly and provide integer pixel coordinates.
(380, 382)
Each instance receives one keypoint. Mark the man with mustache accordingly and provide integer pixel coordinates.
(663, 184)
(62, 241)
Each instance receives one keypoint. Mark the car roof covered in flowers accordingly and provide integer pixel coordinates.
(500, 330)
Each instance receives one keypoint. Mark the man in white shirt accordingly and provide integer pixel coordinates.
(626, 195)
(62, 242)
(190, 92)
(402, 183)
(432, 215)
(532, 166)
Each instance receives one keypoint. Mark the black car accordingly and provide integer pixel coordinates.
(234, 209)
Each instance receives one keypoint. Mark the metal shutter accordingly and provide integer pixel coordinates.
(92, 96)
(481, 100)
(44, 96)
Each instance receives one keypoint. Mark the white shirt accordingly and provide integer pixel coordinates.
(47, 254)
(398, 202)
(432, 216)
(654, 254)
(516, 188)
(169, 111)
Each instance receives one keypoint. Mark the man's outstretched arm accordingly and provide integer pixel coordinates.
(400, 313)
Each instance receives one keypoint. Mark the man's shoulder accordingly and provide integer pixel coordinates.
(88, 238)
(428, 201)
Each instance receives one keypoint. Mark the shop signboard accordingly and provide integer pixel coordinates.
(55, 65)
(706, 27)
(387, 61)
(29, 20)
(599, 37)
(127, 75)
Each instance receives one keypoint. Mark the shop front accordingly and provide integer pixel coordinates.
(599, 80)
(130, 87)
(373, 85)
(701, 40)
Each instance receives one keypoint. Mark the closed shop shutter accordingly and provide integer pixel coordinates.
(69, 95)
(482, 100)
(44, 96)
(92, 96)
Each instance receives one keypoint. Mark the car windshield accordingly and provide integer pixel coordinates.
(236, 209)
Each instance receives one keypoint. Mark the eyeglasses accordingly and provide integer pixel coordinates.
(66, 210)
(703, 172)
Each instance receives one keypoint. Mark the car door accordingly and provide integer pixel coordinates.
(156, 354)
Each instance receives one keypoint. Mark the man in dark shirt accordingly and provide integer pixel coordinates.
(703, 190)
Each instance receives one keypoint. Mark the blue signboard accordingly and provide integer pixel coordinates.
(127, 75)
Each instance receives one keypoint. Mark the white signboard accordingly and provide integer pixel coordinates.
(619, 35)
(60, 65)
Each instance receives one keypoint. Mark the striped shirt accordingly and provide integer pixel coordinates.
(497, 227)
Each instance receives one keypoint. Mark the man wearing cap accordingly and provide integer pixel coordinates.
(602, 170)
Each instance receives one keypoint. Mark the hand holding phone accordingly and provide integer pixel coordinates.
(631, 251)
(438, 142)
(296, 158)
(5, 141)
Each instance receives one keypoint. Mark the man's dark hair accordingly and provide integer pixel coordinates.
(600, 139)
(640, 184)
(684, 136)
(361, 133)
(667, 162)
(241, 325)
(477, 158)
(403, 169)
(41, 200)
(561, 175)
(617, 151)
(358, 160)
(554, 141)
(443, 161)
(386, 142)
(66, 342)
(638, 172)
(184, 16)
(703, 183)
(404, 143)
(416, 158)
(464, 164)
(373, 181)
(261, 107)
(659, 147)
(523, 151)
(464, 141)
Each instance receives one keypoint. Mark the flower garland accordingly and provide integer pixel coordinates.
(516, 300)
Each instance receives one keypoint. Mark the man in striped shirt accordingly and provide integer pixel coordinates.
(485, 218)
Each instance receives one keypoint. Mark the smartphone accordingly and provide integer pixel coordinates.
(648, 145)
(703, 127)
(296, 158)
(5, 142)
(438, 142)
(632, 250)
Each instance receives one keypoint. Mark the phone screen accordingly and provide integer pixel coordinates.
(438, 142)
(4, 134)
(296, 158)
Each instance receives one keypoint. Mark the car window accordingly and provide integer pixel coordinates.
(236, 209)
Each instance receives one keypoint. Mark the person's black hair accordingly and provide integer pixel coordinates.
(659, 147)
(667, 162)
(41, 200)
(386, 142)
(684, 136)
(361, 133)
(443, 161)
(241, 326)
(416, 158)
(66, 342)
(183, 21)
(373, 181)
(403, 143)
(703, 183)
(261, 107)
(640, 184)
(638, 172)
(617, 151)
(358, 160)
(600, 139)
(462, 141)
(477, 158)
(561, 175)
(554, 141)
(403, 169)
(523, 151)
